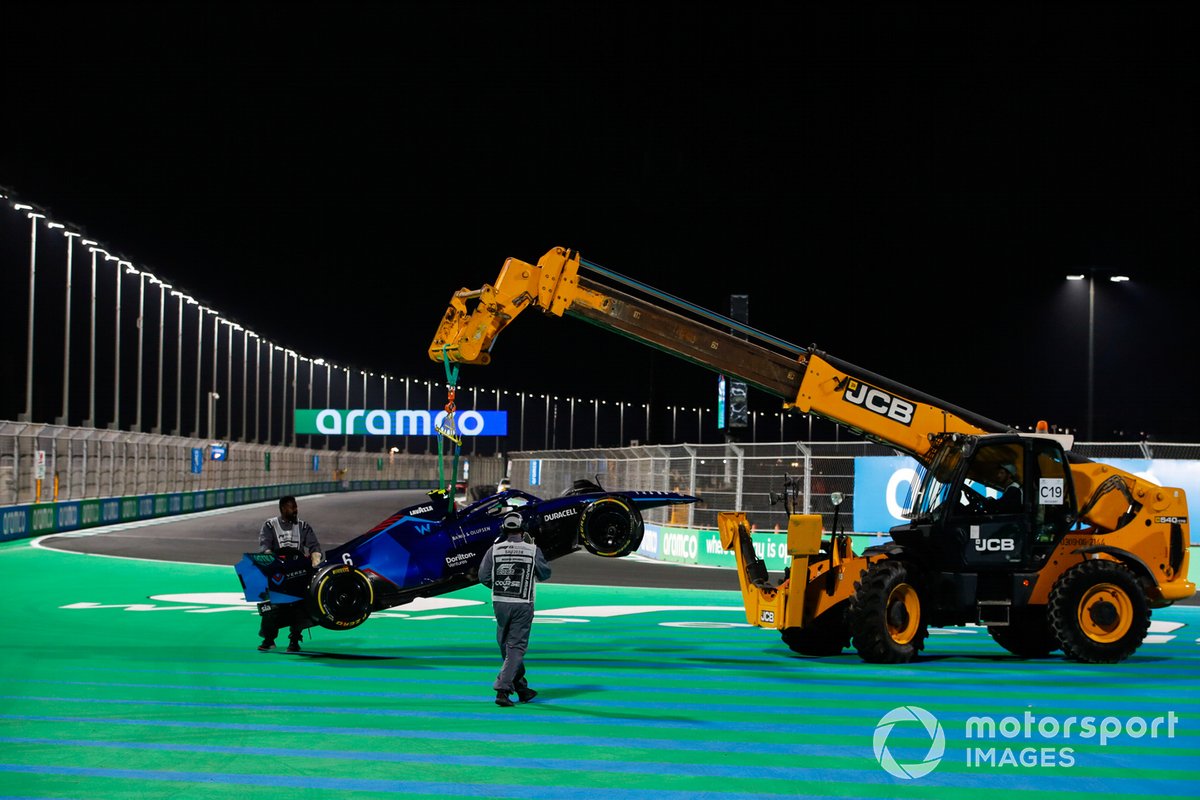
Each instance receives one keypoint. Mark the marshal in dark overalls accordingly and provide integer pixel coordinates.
(287, 537)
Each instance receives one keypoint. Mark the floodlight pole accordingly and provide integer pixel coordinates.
(257, 382)
(271, 346)
(33, 222)
(245, 385)
(90, 422)
(1091, 396)
(312, 365)
(116, 420)
(162, 310)
(216, 340)
(141, 317)
(328, 384)
(521, 445)
(65, 419)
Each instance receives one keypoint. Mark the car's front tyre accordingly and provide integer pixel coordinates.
(340, 597)
(611, 527)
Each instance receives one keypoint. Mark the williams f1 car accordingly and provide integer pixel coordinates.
(431, 549)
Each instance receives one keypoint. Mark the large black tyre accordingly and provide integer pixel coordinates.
(1028, 633)
(340, 597)
(1099, 612)
(827, 635)
(886, 618)
(611, 527)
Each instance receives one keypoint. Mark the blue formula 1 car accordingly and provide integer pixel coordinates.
(430, 549)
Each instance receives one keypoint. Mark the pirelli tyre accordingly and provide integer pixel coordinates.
(886, 615)
(340, 597)
(611, 527)
(1028, 633)
(1099, 612)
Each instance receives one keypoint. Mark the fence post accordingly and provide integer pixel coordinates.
(691, 481)
(17, 466)
(806, 457)
(740, 454)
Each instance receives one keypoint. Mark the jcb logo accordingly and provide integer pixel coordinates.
(767, 617)
(878, 401)
(995, 545)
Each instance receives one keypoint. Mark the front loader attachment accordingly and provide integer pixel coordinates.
(820, 579)
(770, 606)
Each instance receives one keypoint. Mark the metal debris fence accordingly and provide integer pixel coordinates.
(88, 463)
(742, 476)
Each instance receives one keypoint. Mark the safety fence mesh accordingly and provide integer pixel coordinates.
(743, 477)
(85, 463)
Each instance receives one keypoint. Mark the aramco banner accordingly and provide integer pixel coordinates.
(378, 422)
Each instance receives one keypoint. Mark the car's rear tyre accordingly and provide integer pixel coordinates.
(611, 527)
(340, 597)
(1099, 612)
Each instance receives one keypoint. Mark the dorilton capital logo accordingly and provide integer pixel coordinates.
(913, 721)
(380, 422)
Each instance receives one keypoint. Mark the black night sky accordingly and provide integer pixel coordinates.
(904, 185)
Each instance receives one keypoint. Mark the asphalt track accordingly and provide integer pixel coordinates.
(131, 678)
(222, 536)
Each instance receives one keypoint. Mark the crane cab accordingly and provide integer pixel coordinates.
(983, 545)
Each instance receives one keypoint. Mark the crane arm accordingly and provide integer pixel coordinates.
(466, 334)
(804, 378)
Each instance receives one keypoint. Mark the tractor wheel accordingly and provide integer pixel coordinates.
(886, 619)
(827, 635)
(1028, 633)
(1099, 613)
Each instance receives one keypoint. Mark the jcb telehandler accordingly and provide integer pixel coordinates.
(1077, 566)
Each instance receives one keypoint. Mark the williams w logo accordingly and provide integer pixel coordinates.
(877, 401)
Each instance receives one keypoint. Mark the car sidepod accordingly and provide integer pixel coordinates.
(266, 578)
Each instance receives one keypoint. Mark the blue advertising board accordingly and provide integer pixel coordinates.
(535, 472)
(881, 485)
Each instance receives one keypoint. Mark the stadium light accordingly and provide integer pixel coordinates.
(33, 223)
(65, 419)
(1091, 357)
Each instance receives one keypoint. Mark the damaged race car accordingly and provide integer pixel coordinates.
(431, 549)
